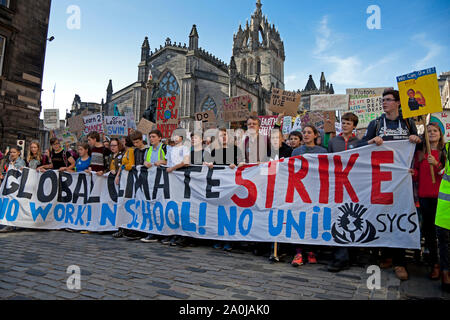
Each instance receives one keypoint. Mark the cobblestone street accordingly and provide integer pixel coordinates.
(34, 265)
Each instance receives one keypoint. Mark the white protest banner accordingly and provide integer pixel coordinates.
(366, 103)
(93, 122)
(443, 120)
(56, 200)
(116, 126)
(357, 198)
(51, 118)
(329, 102)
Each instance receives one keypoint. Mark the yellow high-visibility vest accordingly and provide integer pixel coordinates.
(443, 207)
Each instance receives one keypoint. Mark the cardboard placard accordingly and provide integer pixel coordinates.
(145, 126)
(286, 102)
(314, 118)
(419, 93)
(236, 108)
(207, 118)
(329, 102)
(51, 118)
(329, 126)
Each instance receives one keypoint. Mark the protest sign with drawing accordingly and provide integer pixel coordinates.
(287, 125)
(419, 93)
(167, 115)
(286, 102)
(236, 108)
(366, 103)
(329, 102)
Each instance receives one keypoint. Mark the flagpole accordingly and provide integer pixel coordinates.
(54, 94)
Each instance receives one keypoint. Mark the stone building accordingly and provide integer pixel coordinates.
(444, 88)
(201, 80)
(23, 42)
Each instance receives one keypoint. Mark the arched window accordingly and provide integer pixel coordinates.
(244, 66)
(258, 65)
(209, 104)
(169, 86)
(250, 67)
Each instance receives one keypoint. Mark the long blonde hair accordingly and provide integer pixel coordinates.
(37, 157)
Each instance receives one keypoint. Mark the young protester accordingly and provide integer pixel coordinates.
(443, 220)
(18, 163)
(310, 138)
(343, 142)
(177, 158)
(391, 126)
(199, 156)
(99, 154)
(114, 160)
(35, 158)
(428, 191)
(84, 160)
(155, 156)
(279, 150)
(139, 159)
(295, 139)
(225, 153)
(60, 159)
(127, 164)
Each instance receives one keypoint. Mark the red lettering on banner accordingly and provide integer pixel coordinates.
(378, 197)
(341, 179)
(250, 186)
(295, 181)
(324, 178)
(271, 177)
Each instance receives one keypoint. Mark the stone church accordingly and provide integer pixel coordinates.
(202, 81)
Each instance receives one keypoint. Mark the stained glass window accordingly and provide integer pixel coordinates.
(209, 104)
(169, 85)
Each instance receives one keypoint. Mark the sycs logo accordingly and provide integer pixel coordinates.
(351, 227)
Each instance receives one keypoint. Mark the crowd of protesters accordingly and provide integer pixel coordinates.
(116, 155)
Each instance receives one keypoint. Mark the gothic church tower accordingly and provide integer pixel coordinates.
(259, 50)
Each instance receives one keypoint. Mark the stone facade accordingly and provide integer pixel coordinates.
(203, 81)
(23, 32)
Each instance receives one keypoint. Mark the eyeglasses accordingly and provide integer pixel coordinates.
(388, 100)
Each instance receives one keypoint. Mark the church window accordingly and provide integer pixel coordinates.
(2, 52)
(258, 65)
(250, 67)
(244, 67)
(209, 105)
(169, 85)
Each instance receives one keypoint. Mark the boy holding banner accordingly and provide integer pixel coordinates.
(343, 142)
(392, 126)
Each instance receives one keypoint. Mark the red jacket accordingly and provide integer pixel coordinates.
(422, 175)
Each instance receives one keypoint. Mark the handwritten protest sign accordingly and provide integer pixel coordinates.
(288, 206)
(443, 120)
(93, 122)
(328, 102)
(167, 115)
(51, 118)
(419, 93)
(116, 126)
(236, 108)
(207, 118)
(65, 136)
(314, 118)
(131, 122)
(286, 102)
(329, 118)
(267, 124)
(366, 103)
